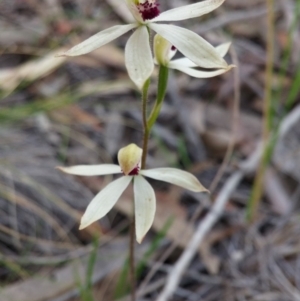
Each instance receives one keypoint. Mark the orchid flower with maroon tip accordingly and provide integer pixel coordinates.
(129, 159)
(164, 51)
(146, 13)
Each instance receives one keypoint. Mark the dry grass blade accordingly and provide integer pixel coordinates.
(65, 280)
(30, 71)
(23, 201)
(38, 241)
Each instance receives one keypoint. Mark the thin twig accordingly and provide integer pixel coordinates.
(283, 281)
(234, 124)
(267, 120)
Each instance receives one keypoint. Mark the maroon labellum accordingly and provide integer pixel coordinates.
(134, 172)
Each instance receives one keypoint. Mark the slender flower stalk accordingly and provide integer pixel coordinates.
(161, 92)
(129, 159)
(145, 123)
(138, 56)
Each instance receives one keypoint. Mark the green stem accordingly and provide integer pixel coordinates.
(148, 123)
(146, 128)
(161, 92)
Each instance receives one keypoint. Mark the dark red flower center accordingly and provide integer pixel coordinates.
(134, 172)
(173, 48)
(148, 10)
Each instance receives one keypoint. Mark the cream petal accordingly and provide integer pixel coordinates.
(99, 39)
(91, 170)
(145, 206)
(223, 48)
(188, 11)
(201, 74)
(183, 62)
(102, 203)
(191, 45)
(138, 57)
(175, 176)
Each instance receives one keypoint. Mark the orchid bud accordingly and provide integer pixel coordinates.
(163, 50)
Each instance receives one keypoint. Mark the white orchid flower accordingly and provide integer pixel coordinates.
(138, 56)
(129, 159)
(164, 51)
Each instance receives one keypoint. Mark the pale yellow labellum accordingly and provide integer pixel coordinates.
(161, 50)
(129, 157)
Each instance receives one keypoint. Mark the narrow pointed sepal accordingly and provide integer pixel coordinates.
(188, 11)
(138, 57)
(199, 73)
(185, 62)
(145, 207)
(103, 202)
(99, 39)
(222, 49)
(91, 170)
(182, 62)
(175, 176)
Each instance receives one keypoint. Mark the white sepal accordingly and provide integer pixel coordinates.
(138, 57)
(145, 207)
(199, 73)
(183, 62)
(175, 176)
(191, 45)
(188, 11)
(102, 203)
(91, 170)
(99, 39)
(223, 48)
